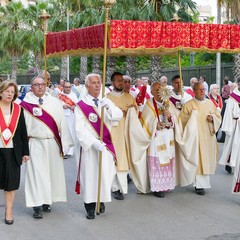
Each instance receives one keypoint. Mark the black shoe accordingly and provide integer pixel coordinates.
(90, 214)
(200, 191)
(228, 169)
(129, 180)
(159, 194)
(37, 212)
(8, 221)
(46, 208)
(118, 195)
(102, 207)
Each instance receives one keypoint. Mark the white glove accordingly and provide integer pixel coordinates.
(140, 107)
(99, 146)
(106, 102)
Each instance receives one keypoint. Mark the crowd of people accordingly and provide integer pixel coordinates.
(156, 135)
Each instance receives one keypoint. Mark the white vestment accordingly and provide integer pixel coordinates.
(44, 178)
(231, 127)
(86, 136)
(69, 114)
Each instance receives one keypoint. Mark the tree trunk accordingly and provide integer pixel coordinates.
(111, 61)
(64, 68)
(236, 68)
(96, 65)
(156, 70)
(83, 68)
(14, 67)
(37, 64)
(131, 67)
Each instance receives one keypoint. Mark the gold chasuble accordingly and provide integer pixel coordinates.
(124, 101)
(207, 144)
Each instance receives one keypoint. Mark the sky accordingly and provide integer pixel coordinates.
(213, 4)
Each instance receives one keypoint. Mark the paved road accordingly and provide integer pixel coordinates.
(181, 215)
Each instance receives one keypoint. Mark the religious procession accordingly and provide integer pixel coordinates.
(154, 133)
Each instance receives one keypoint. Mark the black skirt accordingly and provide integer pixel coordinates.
(9, 170)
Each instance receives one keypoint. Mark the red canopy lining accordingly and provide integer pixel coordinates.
(137, 38)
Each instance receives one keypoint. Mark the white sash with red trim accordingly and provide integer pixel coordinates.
(8, 130)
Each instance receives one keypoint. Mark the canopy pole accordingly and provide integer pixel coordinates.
(45, 16)
(107, 9)
(180, 71)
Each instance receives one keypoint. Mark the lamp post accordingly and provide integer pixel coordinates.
(45, 16)
(107, 5)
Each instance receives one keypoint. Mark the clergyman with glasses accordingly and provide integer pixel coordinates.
(49, 139)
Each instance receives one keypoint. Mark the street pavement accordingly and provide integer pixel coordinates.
(181, 215)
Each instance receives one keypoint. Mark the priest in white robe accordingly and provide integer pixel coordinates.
(68, 100)
(49, 137)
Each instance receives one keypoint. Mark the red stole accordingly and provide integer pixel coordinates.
(46, 118)
(12, 126)
(66, 99)
(217, 103)
(190, 91)
(95, 121)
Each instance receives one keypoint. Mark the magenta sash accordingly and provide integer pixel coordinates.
(176, 102)
(87, 110)
(235, 96)
(45, 118)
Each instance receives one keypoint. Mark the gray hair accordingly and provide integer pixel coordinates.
(126, 77)
(38, 76)
(192, 79)
(163, 78)
(87, 78)
(212, 86)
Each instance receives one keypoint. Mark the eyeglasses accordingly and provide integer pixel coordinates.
(68, 87)
(39, 84)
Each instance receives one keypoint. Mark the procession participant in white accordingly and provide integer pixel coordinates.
(230, 126)
(76, 87)
(49, 136)
(68, 100)
(87, 124)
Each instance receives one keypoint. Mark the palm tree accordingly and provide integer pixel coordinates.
(12, 32)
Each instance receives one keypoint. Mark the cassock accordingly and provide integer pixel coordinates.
(70, 100)
(124, 101)
(86, 135)
(45, 178)
(206, 148)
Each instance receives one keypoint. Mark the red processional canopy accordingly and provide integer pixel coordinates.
(145, 38)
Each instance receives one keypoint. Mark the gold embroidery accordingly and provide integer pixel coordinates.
(161, 147)
(172, 143)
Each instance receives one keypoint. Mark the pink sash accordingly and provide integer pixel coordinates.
(96, 123)
(47, 119)
(235, 96)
